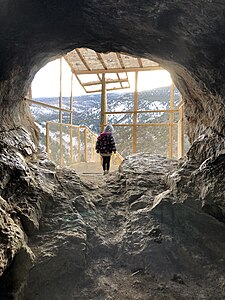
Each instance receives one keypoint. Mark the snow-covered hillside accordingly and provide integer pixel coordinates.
(87, 112)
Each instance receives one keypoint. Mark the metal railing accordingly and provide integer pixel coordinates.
(68, 144)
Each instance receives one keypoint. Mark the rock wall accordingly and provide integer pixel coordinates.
(39, 223)
(62, 236)
(187, 38)
(152, 230)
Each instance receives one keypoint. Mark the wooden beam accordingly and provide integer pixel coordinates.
(107, 81)
(119, 57)
(63, 124)
(29, 93)
(118, 75)
(180, 152)
(93, 148)
(60, 146)
(82, 59)
(71, 99)
(134, 144)
(71, 118)
(78, 145)
(171, 121)
(47, 142)
(120, 60)
(60, 91)
(80, 82)
(72, 70)
(101, 60)
(85, 145)
(117, 70)
(121, 80)
(103, 104)
(143, 124)
(109, 89)
(46, 105)
(60, 117)
(140, 62)
(141, 111)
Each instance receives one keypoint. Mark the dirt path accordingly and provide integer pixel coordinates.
(91, 169)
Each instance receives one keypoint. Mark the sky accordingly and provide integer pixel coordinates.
(46, 81)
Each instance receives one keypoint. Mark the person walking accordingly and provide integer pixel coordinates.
(105, 145)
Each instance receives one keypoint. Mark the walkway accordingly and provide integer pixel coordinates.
(91, 168)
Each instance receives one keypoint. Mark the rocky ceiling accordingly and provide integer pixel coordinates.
(186, 37)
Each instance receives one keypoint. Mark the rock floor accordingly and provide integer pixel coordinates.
(127, 235)
(128, 255)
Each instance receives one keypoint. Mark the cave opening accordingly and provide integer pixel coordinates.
(156, 114)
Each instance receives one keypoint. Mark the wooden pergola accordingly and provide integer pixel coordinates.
(108, 72)
(114, 66)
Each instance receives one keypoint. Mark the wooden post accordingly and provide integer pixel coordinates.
(71, 120)
(103, 121)
(47, 141)
(29, 94)
(60, 116)
(134, 146)
(92, 148)
(61, 146)
(78, 145)
(60, 91)
(180, 152)
(171, 121)
(85, 146)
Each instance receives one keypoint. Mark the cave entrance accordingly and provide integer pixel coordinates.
(102, 73)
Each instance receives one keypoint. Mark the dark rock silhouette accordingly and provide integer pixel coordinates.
(152, 228)
(150, 231)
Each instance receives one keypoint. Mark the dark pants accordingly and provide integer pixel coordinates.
(106, 163)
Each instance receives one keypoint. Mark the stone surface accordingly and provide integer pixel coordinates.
(150, 231)
(166, 249)
(42, 233)
(161, 234)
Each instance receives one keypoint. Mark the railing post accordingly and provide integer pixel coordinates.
(134, 145)
(47, 141)
(88, 147)
(78, 145)
(180, 148)
(85, 145)
(61, 147)
(171, 120)
(92, 148)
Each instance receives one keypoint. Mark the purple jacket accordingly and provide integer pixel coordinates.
(105, 143)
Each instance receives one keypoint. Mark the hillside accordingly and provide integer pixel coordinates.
(87, 112)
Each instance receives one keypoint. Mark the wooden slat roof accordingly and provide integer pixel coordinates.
(85, 61)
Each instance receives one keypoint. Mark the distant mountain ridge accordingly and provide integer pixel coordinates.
(87, 108)
(86, 111)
